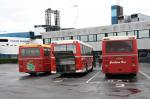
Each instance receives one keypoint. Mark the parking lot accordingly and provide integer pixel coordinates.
(94, 85)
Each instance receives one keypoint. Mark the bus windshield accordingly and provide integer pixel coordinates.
(27, 52)
(119, 46)
(69, 47)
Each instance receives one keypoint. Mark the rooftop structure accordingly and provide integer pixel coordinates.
(133, 18)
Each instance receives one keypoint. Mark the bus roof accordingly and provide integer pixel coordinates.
(119, 38)
(34, 45)
(71, 41)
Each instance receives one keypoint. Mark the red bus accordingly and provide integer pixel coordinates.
(34, 58)
(71, 56)
(120, 55)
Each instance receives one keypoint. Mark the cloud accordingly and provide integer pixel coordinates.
(24, 14)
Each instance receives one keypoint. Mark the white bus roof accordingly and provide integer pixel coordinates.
(119, 37)
(71, 41)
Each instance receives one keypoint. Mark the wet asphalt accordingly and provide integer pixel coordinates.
(94, 85)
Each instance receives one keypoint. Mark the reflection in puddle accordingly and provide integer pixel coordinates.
(73, 85)
(27, 76)
(125, 92)
(119, 87)
(134, 90)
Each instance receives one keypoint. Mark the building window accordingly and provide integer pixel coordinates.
(110, 34)
(47, 41)
(115, 33)
(84, 38)
(122, 34)
(53, 39)
(136, 33)
(100, 37)
(92, 37)
(133, 33)
(77, 37)
(60, 38)
(106, 34)
(113, 12)
(130, 33)
(67, 38)
(144, 34)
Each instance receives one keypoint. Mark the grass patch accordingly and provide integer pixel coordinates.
(8, 60)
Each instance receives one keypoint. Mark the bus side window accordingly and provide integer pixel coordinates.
(46, 52)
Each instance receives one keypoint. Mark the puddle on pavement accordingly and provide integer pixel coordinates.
(73, 85)
(57, 80)
(71, 75)
(117, 90)
(27, 76)
(121, 89)
(122, 92)
(134, 90)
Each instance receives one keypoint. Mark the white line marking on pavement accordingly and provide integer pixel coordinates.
(144, 74)
(92, 77)
(98, 82)
(120, 85)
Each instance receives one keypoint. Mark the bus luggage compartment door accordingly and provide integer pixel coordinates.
(65, 61)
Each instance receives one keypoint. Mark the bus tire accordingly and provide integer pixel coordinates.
(48, 73)
(32, 74)
(107, 75)
(86, 68)
(91, 68)
(134, 75)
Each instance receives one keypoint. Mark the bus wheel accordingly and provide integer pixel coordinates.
(47, 73)
(32, 74)
(86, 69)
(107, 75)
(134, 75)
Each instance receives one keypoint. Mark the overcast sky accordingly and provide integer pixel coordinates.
(22, 15)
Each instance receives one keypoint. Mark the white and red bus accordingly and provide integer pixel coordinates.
(34, 58)
(120, 55)
(71, 56)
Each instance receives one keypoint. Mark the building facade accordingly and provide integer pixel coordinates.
(9, 43)
(94, 35)
(133, 18)
(116, 11)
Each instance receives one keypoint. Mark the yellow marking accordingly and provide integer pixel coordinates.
(35, 45)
